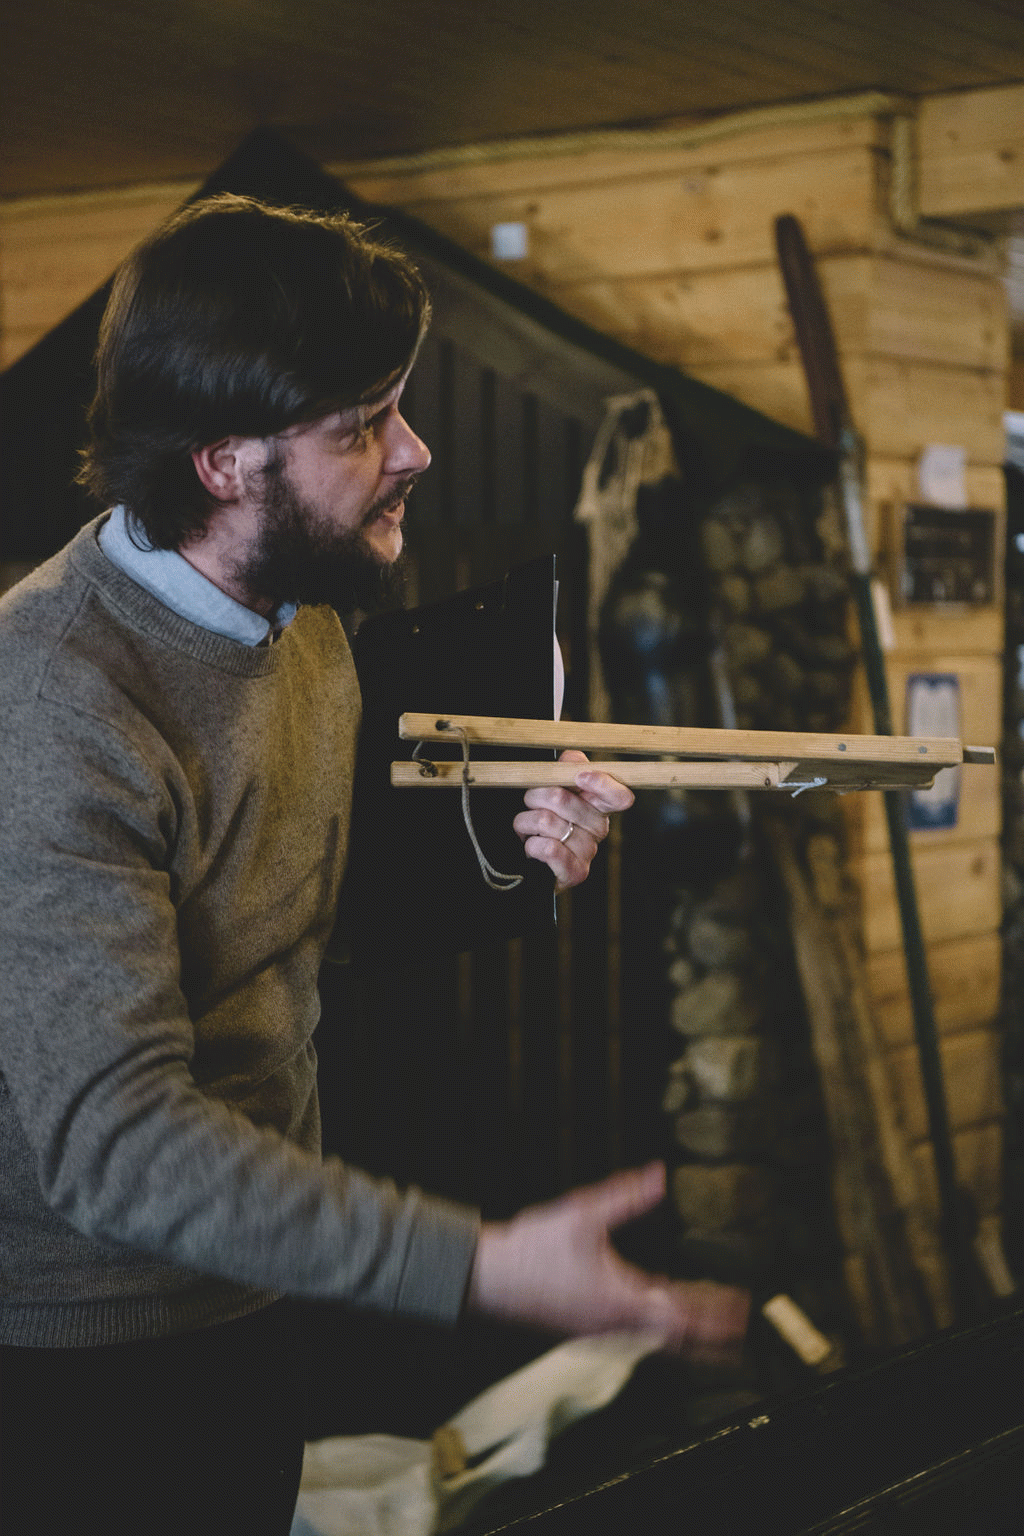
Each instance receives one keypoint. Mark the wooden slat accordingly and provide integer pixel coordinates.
(508, 431)
(786, 777)
(721, 215)
(927, 632)
(112, 221)
(16, 340)
(554, 498)
(978, 1156)
(689, 318)
(637, 775)
(979, 815)
(916, 311)
(55, 252)
(871, 1173)
(688, 741)
(533, 166)
(958, 893)
(964, 975)
(971, 152)
(972, 1075)
(899, 407)
(466, 445)
(979, 808)
(924, 313)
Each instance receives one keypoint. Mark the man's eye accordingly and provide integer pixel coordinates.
(360, 433)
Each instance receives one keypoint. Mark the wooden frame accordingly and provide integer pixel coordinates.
(696, 758)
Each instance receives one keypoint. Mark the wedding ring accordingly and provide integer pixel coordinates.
(568, 832)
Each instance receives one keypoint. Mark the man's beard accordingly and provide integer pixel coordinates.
(301, 557)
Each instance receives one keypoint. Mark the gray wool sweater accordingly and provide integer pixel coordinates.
(174, 811)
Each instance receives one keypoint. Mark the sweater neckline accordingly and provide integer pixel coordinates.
(145, 612)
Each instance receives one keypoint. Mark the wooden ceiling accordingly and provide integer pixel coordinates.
(101, 93)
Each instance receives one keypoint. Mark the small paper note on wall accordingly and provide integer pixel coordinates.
(933, 709)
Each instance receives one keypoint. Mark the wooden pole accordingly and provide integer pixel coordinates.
(882, 1280)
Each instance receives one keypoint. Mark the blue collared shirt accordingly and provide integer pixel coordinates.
(183, 589)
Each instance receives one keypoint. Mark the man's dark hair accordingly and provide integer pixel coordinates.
(236, 318)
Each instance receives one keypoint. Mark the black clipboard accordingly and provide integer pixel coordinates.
(413, 885)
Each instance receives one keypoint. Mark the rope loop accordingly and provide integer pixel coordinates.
(492, 877)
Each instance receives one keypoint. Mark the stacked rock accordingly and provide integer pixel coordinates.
(775, 563)
(750, 602)
(719, 1090)
(745, 1124)
(746, 1132)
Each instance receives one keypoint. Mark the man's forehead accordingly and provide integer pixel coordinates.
(389, 392)
(352, 414)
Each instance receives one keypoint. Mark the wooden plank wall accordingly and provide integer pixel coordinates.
(970, 153)
(671, 249)
(56, 251)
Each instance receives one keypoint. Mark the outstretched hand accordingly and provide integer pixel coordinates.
(563, 827)
(553, 1266)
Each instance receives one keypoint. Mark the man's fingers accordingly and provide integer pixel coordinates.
(568, 870)
(622, 1197)
(603, 792)
(554, 1266)
(599, 789)
(555, 808)
(563, 827)
(566, 846)
(704, 1320)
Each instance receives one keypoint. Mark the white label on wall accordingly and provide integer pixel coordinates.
(509, 242)
(933, 709)
(942, 476)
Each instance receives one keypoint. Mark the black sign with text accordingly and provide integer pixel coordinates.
(947, 556)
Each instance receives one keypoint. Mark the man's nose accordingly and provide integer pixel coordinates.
(407, 453)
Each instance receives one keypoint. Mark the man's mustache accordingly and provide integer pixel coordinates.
(388, 503)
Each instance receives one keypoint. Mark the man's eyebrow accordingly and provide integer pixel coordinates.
(385, 396)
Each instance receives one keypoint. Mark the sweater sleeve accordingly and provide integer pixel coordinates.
(97, 1047)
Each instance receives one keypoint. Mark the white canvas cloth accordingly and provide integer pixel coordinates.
(380, 1485)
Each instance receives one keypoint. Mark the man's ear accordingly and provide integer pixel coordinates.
(220, 467)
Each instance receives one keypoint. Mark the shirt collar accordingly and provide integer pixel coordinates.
(179, 586)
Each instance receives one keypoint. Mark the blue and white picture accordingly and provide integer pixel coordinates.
(933, 709)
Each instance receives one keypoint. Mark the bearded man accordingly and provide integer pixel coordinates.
(179, 719)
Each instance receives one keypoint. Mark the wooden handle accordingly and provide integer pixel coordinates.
(666, 773)
(931, 752)
(792, 1324)
(636, 775)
